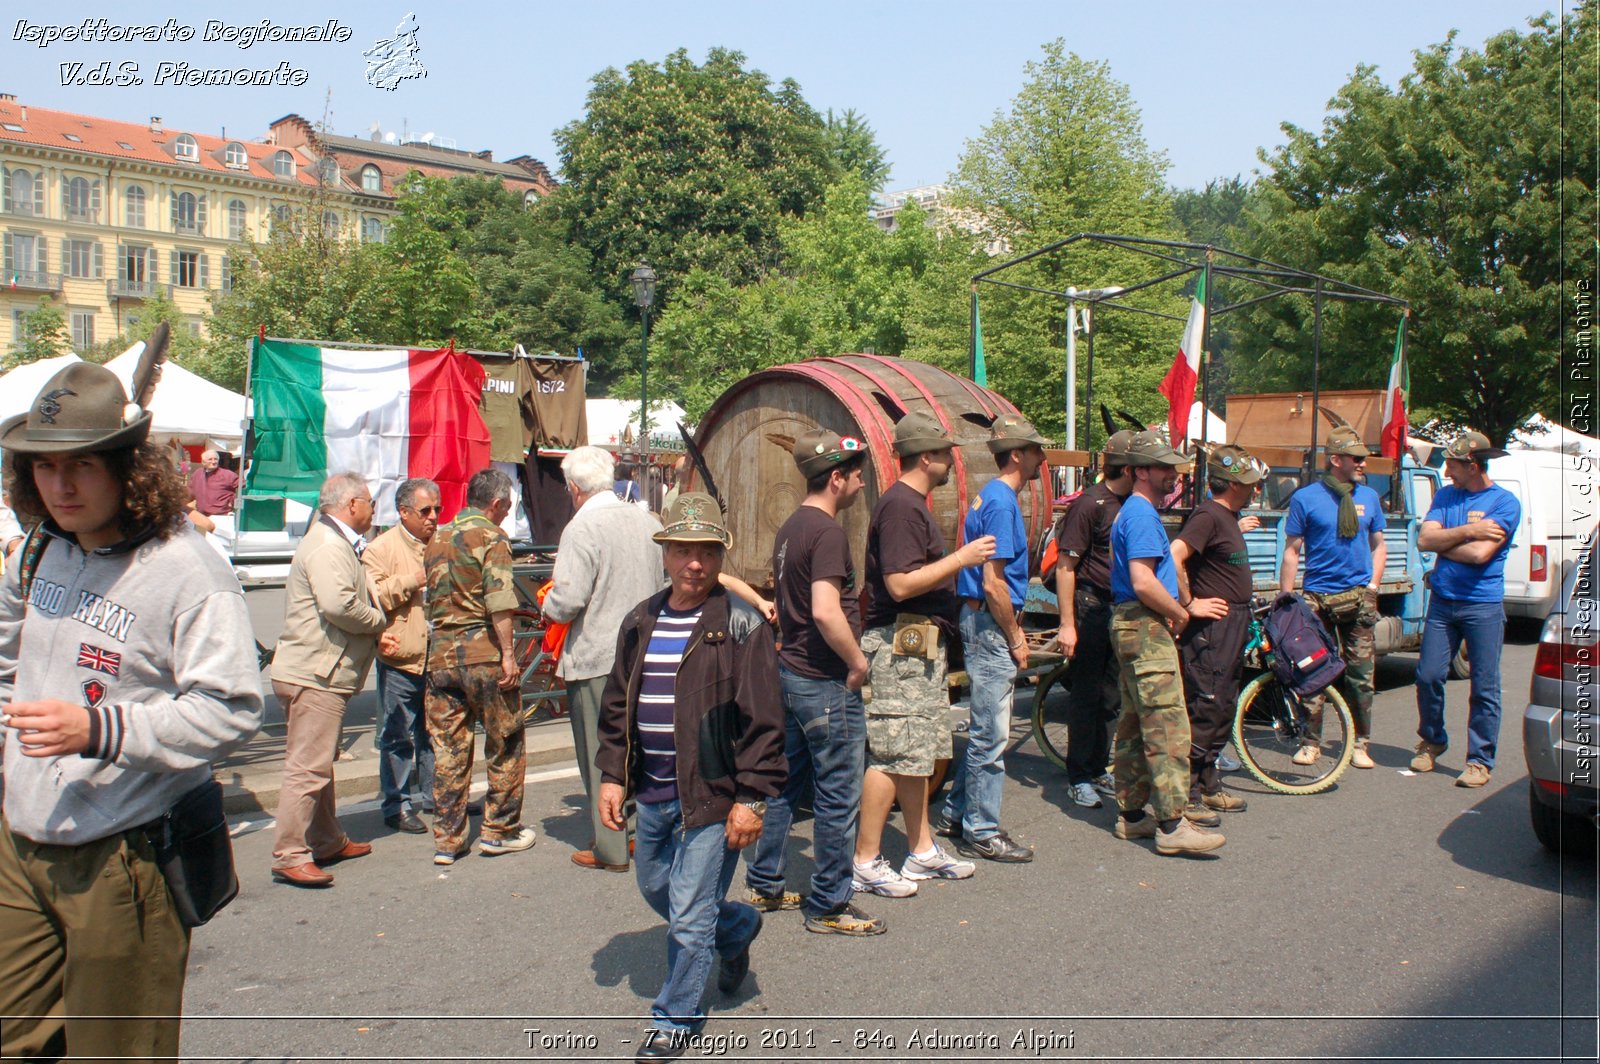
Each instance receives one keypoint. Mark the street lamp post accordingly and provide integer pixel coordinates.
(644, 295)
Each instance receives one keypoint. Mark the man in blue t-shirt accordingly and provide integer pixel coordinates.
(991, 633)
(1150, 751)
(1471, 525)
(1338, 523)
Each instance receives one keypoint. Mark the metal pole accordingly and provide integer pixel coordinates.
(1088, 388)
(1316, 371)
(972, 336)
(1072, 382)
(1205, 387)
(644, 389)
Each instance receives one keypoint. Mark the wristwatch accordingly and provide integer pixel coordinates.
(758, 807)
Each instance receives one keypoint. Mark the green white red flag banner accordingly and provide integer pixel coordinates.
(1396, 399)
(1179, 383)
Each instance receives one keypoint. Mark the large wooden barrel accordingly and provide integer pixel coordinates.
(758, 478)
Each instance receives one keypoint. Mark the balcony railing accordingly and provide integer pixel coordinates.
(83, 214)
(186, 228)
(22, 208)
(126, 288)
(30, 281)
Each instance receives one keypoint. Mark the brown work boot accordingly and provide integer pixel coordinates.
(1475, 775)
(1223, 802)
(1186, 838)
(1426, 753)
(1360, 758)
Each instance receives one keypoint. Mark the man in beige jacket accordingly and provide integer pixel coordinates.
(330, 632)
(394, 562)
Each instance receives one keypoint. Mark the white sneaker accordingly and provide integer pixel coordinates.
(937, 865)
(878, 877)
(522, 840)
(1227, 763)
(1084, 794)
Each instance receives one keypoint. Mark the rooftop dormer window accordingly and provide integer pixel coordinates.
(186, 148)
(234, 156)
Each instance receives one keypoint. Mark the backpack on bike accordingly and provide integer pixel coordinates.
(1305, 658)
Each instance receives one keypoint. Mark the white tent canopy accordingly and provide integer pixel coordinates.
(21, 386)
(1542, 434)
(1212, 429)
(610, 419)
(188, 408)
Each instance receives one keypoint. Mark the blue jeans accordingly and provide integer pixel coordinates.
(405, 753)
(975, 789)
(684, 877)
(825, 740)
(1482, 625)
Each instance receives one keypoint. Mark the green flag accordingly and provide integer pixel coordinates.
(980, 372)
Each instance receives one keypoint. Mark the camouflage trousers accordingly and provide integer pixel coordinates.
(908, 716)
(1150, 750)
(459, 698)
(1355, 636)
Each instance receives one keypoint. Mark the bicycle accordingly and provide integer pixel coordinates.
(542, 694)
(1271, 724)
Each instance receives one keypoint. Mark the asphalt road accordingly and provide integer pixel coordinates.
(1396, 916)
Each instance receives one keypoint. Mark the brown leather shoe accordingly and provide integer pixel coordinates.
(348, 852)
(302, 875)
(587, 859)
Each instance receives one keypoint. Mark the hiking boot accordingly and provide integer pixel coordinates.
(1143, 828)
(1186, 838)
(1223, 802)
(997, 847)
(1475, 775)
(1360, 758)
(1197, 813)
(1426, 753)
(1104, 785)
(847, 920)
(522, 840)
(771, 903)
(1085, 795)
(879, 877)
(937, 865)
(1307, 754)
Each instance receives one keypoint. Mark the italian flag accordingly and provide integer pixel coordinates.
(1395, 397)
(1179, 383)
(388, 414)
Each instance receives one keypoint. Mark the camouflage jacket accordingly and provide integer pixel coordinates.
(468, 563)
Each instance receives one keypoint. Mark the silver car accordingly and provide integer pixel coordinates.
(1561, 727)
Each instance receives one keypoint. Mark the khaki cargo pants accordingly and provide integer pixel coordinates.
(1150, 751)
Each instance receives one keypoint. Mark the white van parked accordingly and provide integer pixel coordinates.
(1558, 495)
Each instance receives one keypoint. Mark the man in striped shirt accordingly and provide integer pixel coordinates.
(691, 727)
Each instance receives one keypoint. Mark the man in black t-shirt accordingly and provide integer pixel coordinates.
(1215, 587)
(911, 614)
(820, 670)
(1083, 591)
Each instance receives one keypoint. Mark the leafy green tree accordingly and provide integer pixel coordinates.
(689, 165)
(44, 335)
(855, 149)
(1465, 190)
(1069, 156)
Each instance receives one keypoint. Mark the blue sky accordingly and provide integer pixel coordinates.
(1213, 84)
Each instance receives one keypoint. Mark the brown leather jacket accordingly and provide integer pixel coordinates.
(728, 722)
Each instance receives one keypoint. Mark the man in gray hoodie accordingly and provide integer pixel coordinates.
(127, 666)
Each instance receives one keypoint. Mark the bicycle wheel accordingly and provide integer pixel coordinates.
(1050, 700)
(539, 693)
(1267, 741)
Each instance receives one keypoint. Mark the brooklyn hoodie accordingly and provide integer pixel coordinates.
(150, 635)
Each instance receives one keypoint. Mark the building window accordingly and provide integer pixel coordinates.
(328, 171)
(186, 148)
(81, 258)
(136, 269)
(237, 217)
(133, 207)
(82, 330)
(24, 192)
(227, 273)
(330, 224)
(282, 164)
(371, 179)
(80, 198)
(530, 197)
(234, 156)
(19, 326)
(282, 216)
(188, 269)
(188, 213)
(372, 230)
(24, 257)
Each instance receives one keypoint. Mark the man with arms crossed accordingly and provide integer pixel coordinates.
(126, 668)
(991, 634)
(911, 612)
(689, 728)
(1338, 521)
(607, 563)
(394, 562)
(821, 670)
(1471, 525)
(1083, 592)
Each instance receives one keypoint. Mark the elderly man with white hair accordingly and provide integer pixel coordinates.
(606, 564)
